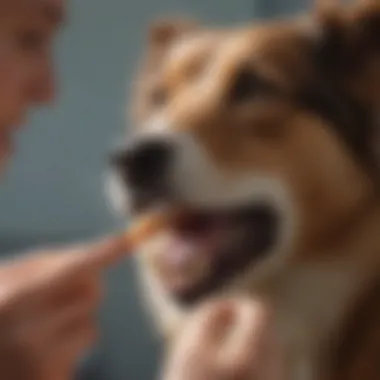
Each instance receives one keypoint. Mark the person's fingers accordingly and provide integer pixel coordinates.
(83, 290)
(18, 274)
(68, 318)
(65, 266)
(199, 336)
(21, 268)
(250, 324)
(196, 342)
(209, 323)
(90, 257)
(74, 342)
(68, 347)
(71, 332)
(103, 253)
(41, 325)
(42, 308)
(241, 354)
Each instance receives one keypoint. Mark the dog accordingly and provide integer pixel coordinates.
(268, 133)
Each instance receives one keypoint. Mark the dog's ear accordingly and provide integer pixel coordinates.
(160, 37)
(162, 33)
(346, 37)
(345, 49)
(329, 38)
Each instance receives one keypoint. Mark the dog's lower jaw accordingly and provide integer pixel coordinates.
(167, 317)
(309, 300)
(304, 320)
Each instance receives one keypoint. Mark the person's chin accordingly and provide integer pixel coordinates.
(5, 157)
(6, 150)
(7, 132)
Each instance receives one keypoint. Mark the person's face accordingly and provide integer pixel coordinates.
(27, 29)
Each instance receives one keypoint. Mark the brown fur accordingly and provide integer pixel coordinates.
(326, 152)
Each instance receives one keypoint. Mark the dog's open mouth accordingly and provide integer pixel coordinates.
(207, 249)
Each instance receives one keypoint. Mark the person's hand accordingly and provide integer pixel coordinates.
(225, 340)
(48, 302)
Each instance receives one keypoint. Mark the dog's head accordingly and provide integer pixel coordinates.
(267, 134)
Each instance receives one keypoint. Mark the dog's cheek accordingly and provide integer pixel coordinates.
(166, 315)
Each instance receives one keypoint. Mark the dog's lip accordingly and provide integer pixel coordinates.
(206, 248)
(195, 239)
(201, 225)
(197, 236)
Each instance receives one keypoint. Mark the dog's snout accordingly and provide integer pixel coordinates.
(144, 163)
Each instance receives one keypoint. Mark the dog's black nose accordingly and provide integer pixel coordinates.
(144, 163)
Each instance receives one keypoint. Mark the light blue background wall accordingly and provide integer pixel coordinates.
(53, 191)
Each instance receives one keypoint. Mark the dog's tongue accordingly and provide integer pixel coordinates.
(195, 233)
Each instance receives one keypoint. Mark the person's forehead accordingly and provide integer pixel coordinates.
(50, 10)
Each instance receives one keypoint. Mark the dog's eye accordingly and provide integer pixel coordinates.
(248, 85)
(245, 86)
